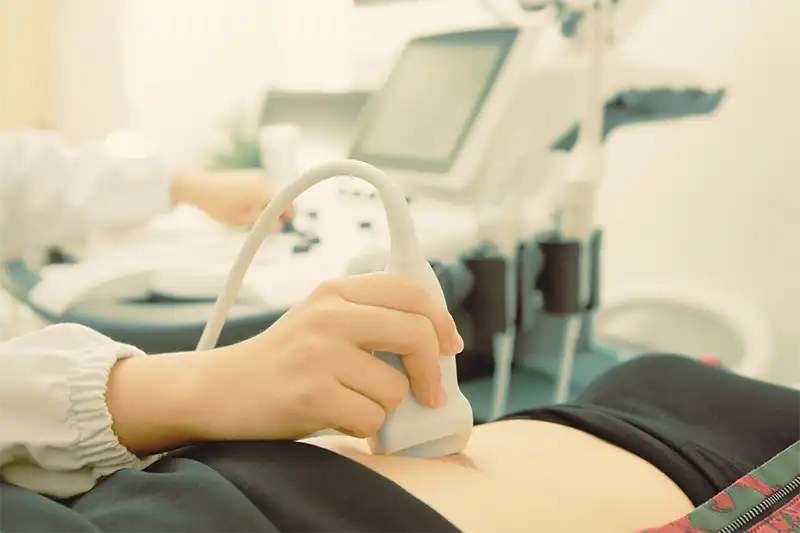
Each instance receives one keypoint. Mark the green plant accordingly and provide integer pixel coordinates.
(242, 150)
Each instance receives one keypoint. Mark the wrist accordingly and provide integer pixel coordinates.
(199, 404)
(159, 402)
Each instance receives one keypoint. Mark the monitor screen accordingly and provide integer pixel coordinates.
(421, 117)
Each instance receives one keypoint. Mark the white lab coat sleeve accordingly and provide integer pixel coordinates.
(55, 432)
(50, 193)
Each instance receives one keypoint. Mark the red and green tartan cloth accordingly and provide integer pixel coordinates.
(767, 500)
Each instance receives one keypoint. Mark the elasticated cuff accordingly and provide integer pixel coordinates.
(97, 445)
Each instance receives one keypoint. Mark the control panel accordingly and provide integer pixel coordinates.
(340, 228)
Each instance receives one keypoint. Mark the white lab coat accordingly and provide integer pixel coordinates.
(55, 428)
(49, 193)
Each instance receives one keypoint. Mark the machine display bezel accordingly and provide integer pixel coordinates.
(503, 38)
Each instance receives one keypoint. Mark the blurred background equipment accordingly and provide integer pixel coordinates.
(698, 162)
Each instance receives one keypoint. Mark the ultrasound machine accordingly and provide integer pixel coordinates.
(473, 124)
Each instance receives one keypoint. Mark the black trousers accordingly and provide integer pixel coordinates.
(702, 426)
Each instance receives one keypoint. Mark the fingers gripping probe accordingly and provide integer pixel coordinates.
(411, 429)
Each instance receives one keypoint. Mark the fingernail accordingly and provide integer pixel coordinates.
(457, 343)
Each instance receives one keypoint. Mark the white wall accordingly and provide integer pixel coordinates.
(179, 69)
(192, 64)
(89, 39)
(715, 204)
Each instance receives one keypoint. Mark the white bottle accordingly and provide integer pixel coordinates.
(413, 429)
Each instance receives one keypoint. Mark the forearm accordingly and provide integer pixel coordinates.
(185, 188)
(158, 403)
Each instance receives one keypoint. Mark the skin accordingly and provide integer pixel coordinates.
(233, 197)
(314, 370)
(527, 476)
